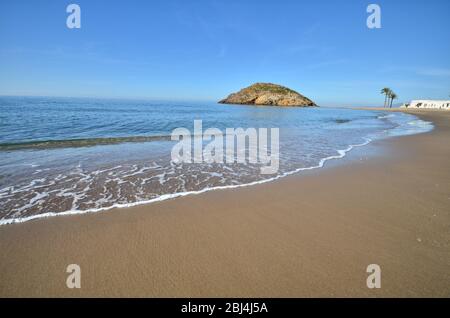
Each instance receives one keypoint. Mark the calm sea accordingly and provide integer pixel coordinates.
(74, 155)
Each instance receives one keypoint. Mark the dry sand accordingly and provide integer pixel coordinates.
(312, 234)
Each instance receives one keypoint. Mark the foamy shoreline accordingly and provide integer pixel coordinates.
(341, 153)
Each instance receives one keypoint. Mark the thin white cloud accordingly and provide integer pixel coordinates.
(423, 71)
(434, 72)
(327, 63)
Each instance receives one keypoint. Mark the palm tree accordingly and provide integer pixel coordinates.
(386, 91)
(392, 96)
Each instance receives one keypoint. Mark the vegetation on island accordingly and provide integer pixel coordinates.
(268, 94)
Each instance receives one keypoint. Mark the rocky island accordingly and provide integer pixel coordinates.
(268, 94)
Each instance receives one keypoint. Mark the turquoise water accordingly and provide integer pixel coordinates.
(73, 155)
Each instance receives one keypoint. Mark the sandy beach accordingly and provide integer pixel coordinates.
(310, 234)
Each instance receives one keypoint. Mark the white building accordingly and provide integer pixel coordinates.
(429, 103)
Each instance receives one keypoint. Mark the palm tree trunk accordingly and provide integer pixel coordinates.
(390, 106)
(385, 98)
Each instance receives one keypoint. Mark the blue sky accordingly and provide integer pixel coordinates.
(205, 49)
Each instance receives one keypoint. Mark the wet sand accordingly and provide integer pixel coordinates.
(311, 234)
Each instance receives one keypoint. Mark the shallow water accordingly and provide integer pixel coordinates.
(73, 155)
